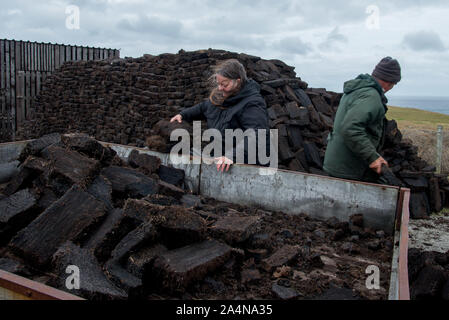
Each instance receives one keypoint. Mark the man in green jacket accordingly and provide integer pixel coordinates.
(354, 144)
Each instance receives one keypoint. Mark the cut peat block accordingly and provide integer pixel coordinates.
(180, 226)
(147, 163)
(129, 182)
(89, 146)
(101, 189)
(146, 234)
(118, 224)
(170, 190)
(235, 230)
(177, 269)
(16, 212)
(35, 146)
(171, 175)
(137, 261)
(69, 218)
(68, 168)
(94, 285)
(281, 257)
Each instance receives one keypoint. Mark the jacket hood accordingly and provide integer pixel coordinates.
(251, 88)
(364, 81)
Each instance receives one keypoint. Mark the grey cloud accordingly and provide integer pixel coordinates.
(333, 39)
(424, 41)
(293, 45)
(152, 24)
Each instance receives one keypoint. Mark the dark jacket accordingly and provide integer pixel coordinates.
(357, 135)
(245, 110)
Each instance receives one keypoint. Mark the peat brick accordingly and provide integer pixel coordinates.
(234, 230)
(282, 256)
(171, 175)
(170, 190)
(69, 167)
(94, 285)
(35, 146)
(148, 163)
(69, 218)
(89, 146)
(177, 269)
(129, 182)
(180, 226)
(16, 212)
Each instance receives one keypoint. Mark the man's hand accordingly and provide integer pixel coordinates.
(178, 118)
(377, 165)
(223, 162)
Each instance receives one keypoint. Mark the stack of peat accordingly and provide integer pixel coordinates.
(122, 100)
(134, 233)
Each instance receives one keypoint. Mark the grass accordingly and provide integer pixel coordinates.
(420, 127)
(417, 119)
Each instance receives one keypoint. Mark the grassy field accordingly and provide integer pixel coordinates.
(417, 119)
(420, 127)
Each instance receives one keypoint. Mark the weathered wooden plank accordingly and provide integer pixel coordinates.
(79, 52)
(34, 56)
(68, 53)
(24, 55)
(91, 54)
(97, 54)
(85, 53)
(45, 58)
(2, 77)
(13, 86)
(73, 53)
(61, 54)
(56, 56)
(7, 84)
(39, 58)
(28, 93)
(51, 57)
(18, 57)
(31, 56)
(20, 97)
(3, 127)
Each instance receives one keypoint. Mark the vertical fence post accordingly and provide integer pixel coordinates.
(439, 148)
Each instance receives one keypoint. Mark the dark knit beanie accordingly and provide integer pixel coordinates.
(388, 69)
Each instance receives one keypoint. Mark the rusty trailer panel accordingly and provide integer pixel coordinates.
(14, 287)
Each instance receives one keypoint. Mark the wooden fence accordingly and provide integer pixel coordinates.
(24, 66)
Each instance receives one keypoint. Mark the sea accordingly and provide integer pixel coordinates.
(433, 104)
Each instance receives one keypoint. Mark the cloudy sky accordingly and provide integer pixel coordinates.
(328, 41)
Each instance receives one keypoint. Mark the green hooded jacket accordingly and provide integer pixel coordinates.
(358, 129)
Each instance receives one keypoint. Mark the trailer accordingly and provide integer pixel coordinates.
(384, 207)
